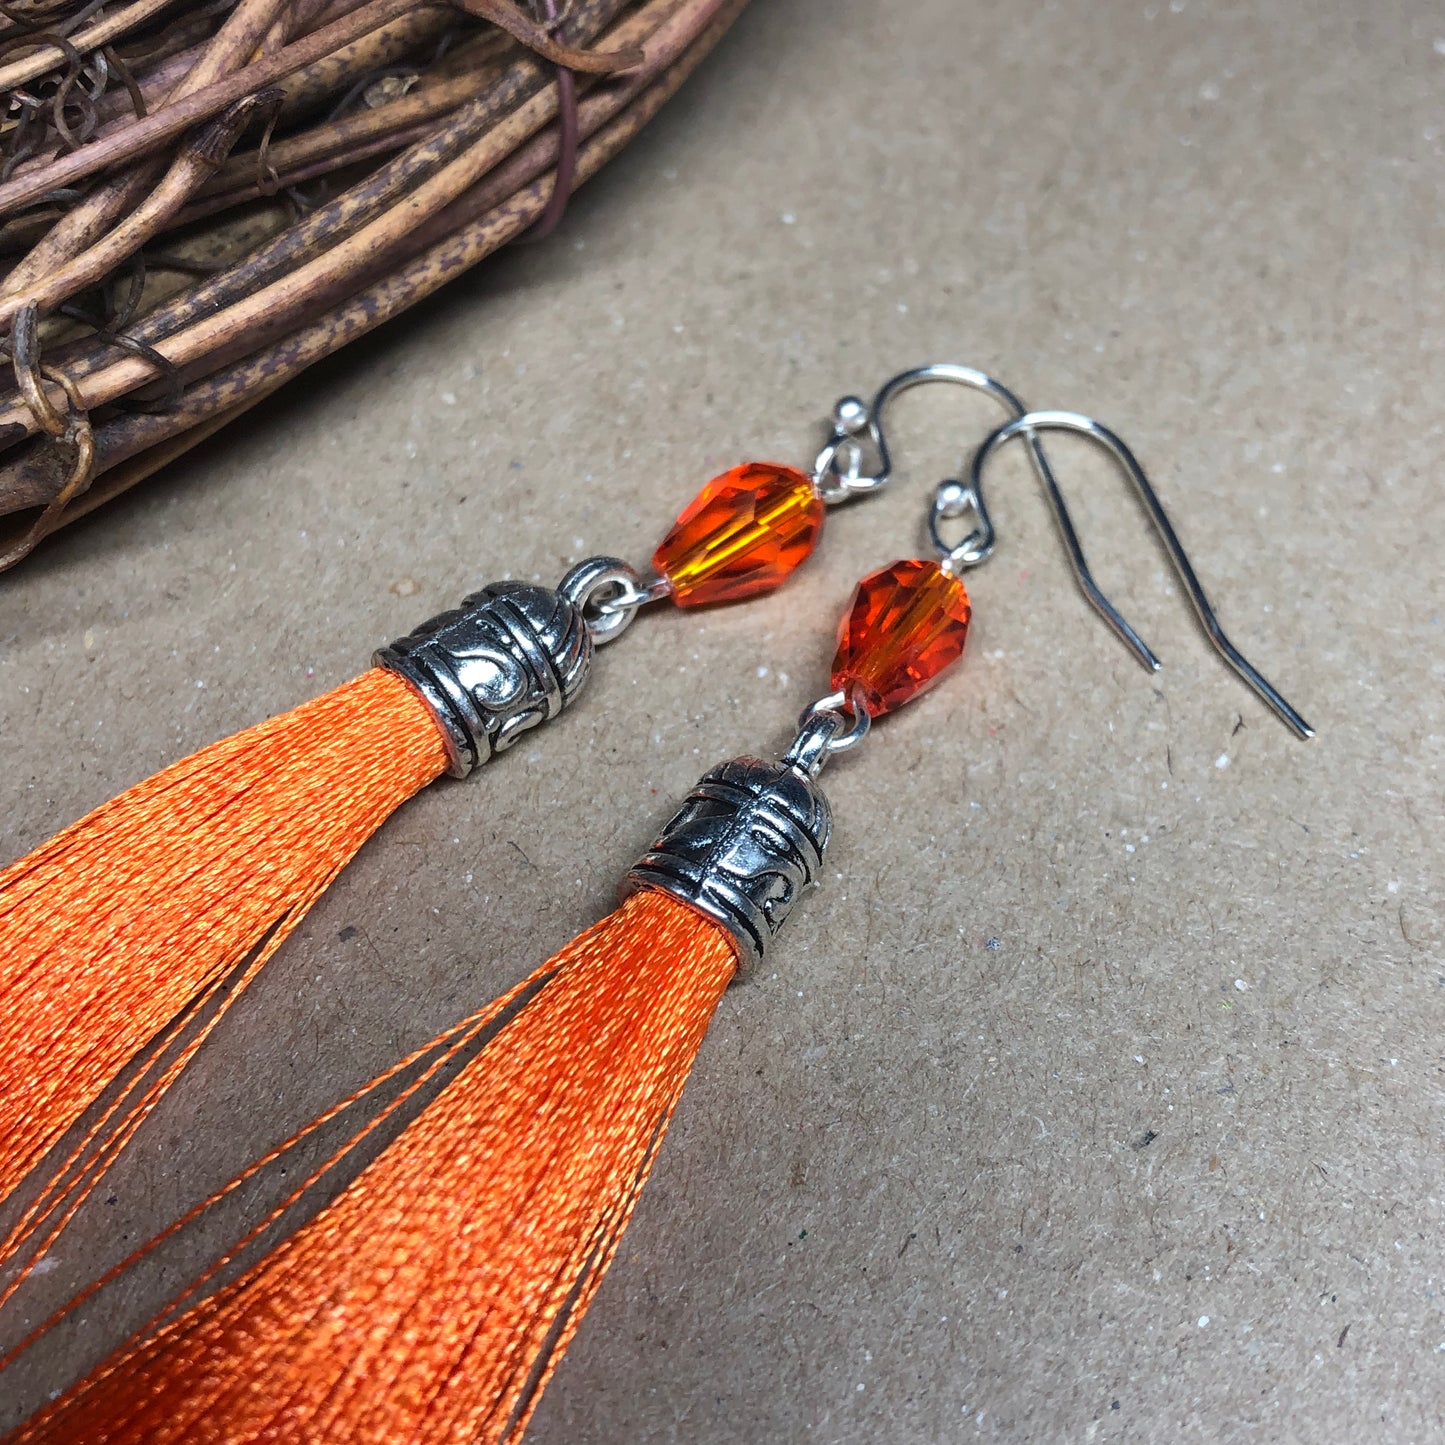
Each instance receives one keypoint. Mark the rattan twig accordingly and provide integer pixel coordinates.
(167, 273)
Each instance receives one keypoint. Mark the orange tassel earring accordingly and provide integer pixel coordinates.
(431, 1300)
(125, 938)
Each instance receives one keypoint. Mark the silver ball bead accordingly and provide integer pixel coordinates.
(850, 416)
(952, 499)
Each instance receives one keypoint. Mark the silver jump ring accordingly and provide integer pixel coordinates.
(608, 592)
(832, 724)
(632, 598)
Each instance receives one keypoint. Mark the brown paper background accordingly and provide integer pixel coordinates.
(1165, 1163)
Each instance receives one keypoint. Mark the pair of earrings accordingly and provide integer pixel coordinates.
(432, 1298)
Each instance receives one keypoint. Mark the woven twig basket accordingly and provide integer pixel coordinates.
(197, 202)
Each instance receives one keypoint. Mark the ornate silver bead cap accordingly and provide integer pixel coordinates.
(510, 657)
(747, 841)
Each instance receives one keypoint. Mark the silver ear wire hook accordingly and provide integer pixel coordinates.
(837, 483)
(978, 546)
(853, 418)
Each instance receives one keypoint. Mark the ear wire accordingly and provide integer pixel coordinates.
(953, 499)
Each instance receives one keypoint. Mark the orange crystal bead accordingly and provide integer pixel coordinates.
(905, 626)
(743, 534)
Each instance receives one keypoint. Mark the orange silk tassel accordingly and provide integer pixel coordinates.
(114, 933)
(431, 1300)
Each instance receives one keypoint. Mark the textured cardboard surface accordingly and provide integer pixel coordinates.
(1098, 1094)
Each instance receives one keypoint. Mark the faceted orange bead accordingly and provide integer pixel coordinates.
(904, 627)
(742, 535)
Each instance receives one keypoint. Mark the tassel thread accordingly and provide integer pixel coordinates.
(432, 1299)
(119, 931)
